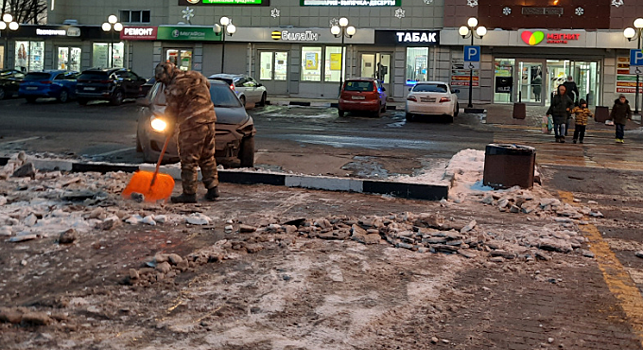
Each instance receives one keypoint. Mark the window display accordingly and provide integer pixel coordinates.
(181, 58)
(101, 52)
(29, 56)
(417, 66)
(69, 58)
(311, 69)
(333, 64)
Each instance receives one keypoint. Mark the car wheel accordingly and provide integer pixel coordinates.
(243, 101)
(340, 112)
(64, 97)
(82, 101)
(451, 119)
(409, 117)
(3, 95)
(117, 99)
(457, 110)
(31, 99)
(247, 152)
(263, 100)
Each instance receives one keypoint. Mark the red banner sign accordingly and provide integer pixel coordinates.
(139, 33)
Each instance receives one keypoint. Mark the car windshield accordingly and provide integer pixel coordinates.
(359, 86)
(37, 76)
(222, 96)
(92, 76)
(430, 88)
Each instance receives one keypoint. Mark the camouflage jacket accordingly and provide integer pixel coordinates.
(188, 100)
(582, 115)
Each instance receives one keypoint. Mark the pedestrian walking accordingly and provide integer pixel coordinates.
(190, 108)
(621, 112)
(572, 89)
(536, 87)
(582, 116)
(561, 106)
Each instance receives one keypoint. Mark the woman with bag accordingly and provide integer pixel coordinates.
(561, 106)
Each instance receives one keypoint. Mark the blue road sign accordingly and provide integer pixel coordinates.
(636, 58)
(472, 54)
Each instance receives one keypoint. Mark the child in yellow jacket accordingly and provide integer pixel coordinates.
(582, 116)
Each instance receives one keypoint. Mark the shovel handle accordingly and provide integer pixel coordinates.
(158, 163)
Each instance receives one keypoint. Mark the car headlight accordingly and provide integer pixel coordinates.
(158, 124)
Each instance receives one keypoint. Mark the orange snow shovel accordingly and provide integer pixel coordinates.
(153, 186)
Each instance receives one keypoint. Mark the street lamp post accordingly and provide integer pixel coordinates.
(631, 33)
(112, 25)
(228, 28)
(9, 25)
(472, 30)
(345, 31)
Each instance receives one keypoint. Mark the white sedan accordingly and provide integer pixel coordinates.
(432, 98)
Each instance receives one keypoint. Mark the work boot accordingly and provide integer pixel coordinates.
(213, 193)
(562, 139)
(184, 198)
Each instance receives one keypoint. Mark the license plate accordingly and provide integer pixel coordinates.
(32, 88)
(90, 89)
(427, 99)
(358, 98)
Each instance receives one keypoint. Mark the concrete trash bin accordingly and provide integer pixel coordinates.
(507, 165)
(520, 111)
(601, 114)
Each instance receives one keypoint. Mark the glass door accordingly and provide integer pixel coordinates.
(182, 58)
(530, 84)
(69, 58)
(378, 66)
(273, 71)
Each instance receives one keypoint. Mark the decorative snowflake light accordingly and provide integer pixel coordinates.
(579, 11)
(400, 13)
(428, 2)
(275, 13)
(188, 13)
(506, 11)
(472, 3)
(617, 3)
(334, 22)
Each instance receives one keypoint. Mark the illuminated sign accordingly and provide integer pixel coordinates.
(285, 35)
(407, 37)
(536, 37)
(416, 37)
(139, 33)
(224, 2)
(371, 3)
(51, 32)
(188, 33)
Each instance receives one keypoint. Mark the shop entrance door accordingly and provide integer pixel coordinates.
(377, 65)
(531, 84)
(273, 71)
(585, 74)
(182, 58)
(69, 58)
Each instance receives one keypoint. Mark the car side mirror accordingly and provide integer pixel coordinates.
(457, 91)
(143, 102)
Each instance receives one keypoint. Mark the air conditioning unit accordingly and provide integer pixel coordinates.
(70, 22)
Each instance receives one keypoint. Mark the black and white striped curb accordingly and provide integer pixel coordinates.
(396, 189)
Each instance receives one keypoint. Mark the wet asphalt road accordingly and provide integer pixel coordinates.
(288, 137)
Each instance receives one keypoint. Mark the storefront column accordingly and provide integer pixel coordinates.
(197, 57)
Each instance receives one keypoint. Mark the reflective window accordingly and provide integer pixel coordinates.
(310, 67)
(417, 64)
(333, 66)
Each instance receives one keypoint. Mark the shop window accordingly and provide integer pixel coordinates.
(29, 55)
(135, 16)
(101, 55)
(69, 58)
(182, 58)
(417, 64)
(310, 67)
(333, 67)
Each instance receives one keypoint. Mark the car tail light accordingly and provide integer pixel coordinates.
(412, 98)
(45, 82)
(232, 87)
(106, 81)
(445, 99)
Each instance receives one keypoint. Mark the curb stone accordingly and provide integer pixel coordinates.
(397, 189)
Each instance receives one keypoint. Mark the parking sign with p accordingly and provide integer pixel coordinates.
(472, 57)
(636, 58)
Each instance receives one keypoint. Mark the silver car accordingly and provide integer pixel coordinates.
(235, 129)
(248, 89)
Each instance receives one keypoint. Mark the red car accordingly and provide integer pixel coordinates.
(362, 95)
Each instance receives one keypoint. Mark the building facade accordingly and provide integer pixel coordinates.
(530, 47)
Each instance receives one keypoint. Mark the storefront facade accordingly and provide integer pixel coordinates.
(527, 65)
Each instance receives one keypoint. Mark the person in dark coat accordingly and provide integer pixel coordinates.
(190, 108)
(621, 112)
(560, 109)
(572, 89)
(536, 87)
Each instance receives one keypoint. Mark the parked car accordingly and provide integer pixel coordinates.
(59, 84)
(114, 85)
(432, 98)
(145, 88)
(10, 80)
(248, 89)
(362, 95)
(235, 129)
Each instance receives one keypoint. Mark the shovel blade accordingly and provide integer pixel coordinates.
(141, 181)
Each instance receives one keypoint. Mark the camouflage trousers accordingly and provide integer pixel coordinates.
(196, 148)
